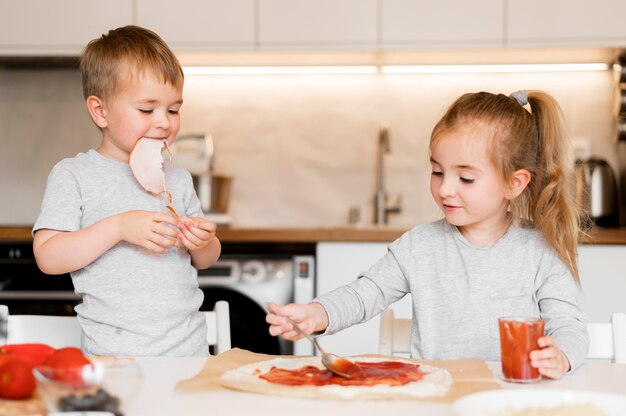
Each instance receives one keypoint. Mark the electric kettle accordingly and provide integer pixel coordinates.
(597, 192)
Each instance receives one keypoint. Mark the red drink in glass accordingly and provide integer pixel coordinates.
(518, 337)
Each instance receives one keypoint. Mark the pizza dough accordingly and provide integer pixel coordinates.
(436, 383)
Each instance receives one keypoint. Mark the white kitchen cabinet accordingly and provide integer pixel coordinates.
(59, 27)
(63, 27)
(304, 24)
(200, 24)
(339, 263)
(566, 23)
(602, 270)
(444, 23)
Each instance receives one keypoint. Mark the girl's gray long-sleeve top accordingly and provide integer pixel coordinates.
(459, 291)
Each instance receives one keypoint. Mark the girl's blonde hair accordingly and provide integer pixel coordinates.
(534, 140)
(126, 51)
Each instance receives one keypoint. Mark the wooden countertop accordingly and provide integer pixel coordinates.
(314, 235)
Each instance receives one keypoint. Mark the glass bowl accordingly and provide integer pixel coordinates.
(106, 385)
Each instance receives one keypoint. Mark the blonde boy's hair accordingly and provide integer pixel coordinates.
(534, 140)
(127, 51)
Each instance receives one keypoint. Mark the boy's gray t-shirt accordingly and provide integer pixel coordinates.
(134, 302)
(459, 291)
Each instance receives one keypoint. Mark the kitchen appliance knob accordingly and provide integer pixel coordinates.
(253, 271)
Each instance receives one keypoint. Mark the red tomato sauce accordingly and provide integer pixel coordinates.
(517, 340)
(392, 373)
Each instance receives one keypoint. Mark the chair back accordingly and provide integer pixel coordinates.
(395, 334)
(218, 326)
(65, 331)
(56, 331)
(607, 340)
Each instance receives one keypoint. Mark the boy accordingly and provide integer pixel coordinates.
(133, 262)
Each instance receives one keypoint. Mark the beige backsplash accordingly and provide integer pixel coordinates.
(301, 148)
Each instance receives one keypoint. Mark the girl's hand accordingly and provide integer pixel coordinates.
(310, 317)
(196, 233)
(549, 360)
(148, 229)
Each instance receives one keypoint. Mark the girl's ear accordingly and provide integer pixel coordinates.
(517, 184)
(96, 109)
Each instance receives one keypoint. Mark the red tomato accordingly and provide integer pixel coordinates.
(66, 357)
(68, 364)
(16, 379)
(33, 354)
(4, 357)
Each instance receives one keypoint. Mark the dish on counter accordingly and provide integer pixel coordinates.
(539, 402)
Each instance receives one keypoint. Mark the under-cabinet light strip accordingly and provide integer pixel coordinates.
(278, 70)
(464, 69)
(391, 69)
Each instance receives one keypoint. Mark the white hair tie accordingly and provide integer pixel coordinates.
(520, 96)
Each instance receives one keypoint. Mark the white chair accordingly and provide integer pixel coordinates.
(56, 331)
(395, 334)
(64, 331)
(218, 326)
(607, 341)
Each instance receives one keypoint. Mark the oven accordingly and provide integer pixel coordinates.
(247, 276)
(26, 290)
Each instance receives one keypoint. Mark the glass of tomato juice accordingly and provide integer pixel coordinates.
(518, 337)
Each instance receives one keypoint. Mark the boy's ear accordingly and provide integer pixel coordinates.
(519, 180)
(96, 109)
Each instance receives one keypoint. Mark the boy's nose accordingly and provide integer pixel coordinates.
(162, 120)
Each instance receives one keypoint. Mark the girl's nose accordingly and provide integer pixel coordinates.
(447, 188)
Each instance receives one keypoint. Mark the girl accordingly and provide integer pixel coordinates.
(502, 176)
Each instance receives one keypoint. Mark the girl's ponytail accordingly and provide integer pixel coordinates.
(552, 191)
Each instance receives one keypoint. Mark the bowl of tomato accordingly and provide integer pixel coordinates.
(74, 384)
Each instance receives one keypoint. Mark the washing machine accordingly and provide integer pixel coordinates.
(248, 282)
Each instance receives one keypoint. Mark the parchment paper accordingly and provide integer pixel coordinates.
(32, 406)
(468, 376)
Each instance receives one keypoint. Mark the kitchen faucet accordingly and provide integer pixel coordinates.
(383, 205)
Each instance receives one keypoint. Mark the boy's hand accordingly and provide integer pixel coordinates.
(549, 360)
(148, 229)
(196, 233)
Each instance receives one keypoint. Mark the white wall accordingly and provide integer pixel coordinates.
(301, 148)
(42, 120)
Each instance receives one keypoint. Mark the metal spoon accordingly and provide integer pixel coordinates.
(334, 363)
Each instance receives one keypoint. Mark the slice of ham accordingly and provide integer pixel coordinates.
(146, 164)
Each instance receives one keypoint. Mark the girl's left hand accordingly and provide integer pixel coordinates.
(549, 360)
(195, 232)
